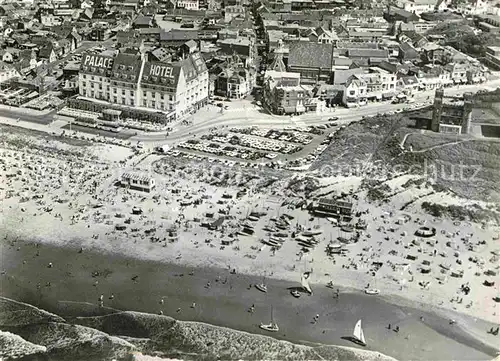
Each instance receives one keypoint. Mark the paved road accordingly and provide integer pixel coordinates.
(87, 130)
(251, 117)
(26, 115)
(84, 47)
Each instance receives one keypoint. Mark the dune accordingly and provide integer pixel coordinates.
(13, 313)
(15, 347)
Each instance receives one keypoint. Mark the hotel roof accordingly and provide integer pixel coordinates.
(161, 73)
(126, 67)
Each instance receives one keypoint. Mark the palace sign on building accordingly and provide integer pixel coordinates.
(98, 61)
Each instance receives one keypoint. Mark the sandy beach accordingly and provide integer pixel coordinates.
(58, 193)
(226, 302)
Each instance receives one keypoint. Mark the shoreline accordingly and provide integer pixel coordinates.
(63, 195)
(229, 299)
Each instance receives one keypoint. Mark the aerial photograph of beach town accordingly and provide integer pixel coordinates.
(249, 180)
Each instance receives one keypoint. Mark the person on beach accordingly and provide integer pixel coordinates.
(389, 327)
(396, 329)
(193, 305)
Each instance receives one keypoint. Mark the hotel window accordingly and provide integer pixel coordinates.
(131, 93)
(132, 102)
(115, 100)
(84, 76)
(123, 91)
(92, 93)
(145, 103)
(84, 84)
(153, 104)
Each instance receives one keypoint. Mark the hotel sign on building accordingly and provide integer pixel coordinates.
(161, 70)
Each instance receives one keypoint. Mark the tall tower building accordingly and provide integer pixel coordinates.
(278, 64)
(438, 109)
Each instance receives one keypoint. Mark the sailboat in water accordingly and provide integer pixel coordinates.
(305, 282)
(262, 287)
(273, 326)
(359, 336)
(304, 279)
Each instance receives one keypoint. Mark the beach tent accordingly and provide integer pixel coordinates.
(488, 283)
(457, 273)
(490, 272)
(425, 270)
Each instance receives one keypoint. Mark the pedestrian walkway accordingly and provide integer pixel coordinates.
(299, 122)
(58, 123)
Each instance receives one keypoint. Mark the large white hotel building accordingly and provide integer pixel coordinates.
(176, 88)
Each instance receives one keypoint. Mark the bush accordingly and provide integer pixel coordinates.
(379, 193)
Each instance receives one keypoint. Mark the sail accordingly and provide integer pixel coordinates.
(358, 332)
(362, 338)
(305, 283)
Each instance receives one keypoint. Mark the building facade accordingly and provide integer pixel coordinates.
(176, 88)
(283, 93)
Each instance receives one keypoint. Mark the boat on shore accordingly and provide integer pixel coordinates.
(295, 293)
(372, 291)
(312, 233)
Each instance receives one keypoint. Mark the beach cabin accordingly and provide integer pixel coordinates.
(137, 181)
(329, 207)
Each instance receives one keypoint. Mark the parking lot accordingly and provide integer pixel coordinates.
(291, 146)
